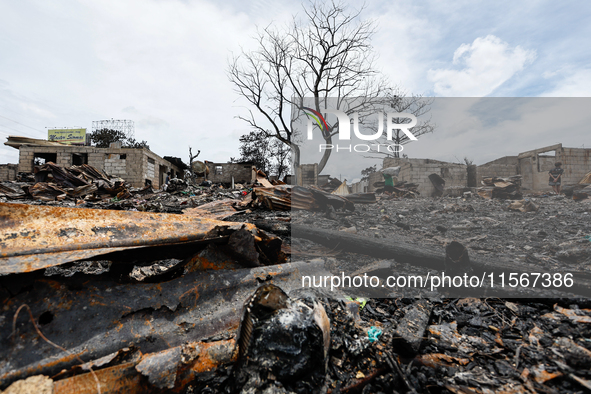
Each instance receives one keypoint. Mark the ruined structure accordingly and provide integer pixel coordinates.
(8, 172)
(137, 166)
(226, 172)
(532, 166)
(418, 171)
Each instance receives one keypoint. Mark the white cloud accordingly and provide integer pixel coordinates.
(487, 63)
(575, 83)
(162, 64)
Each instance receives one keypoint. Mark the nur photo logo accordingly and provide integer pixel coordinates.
(393, 120)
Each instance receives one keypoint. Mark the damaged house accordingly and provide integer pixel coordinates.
(532, 166)
(138, 166)
(229, 173)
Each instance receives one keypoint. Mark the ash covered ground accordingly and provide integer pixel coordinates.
(556, 235)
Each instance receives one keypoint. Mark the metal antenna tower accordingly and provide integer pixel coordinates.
(125, 126)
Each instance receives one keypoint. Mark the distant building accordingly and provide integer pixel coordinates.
(244, 173)
(532, 166)
(137, 166)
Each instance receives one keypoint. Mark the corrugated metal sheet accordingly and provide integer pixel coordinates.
(35, 237)
(342, 190)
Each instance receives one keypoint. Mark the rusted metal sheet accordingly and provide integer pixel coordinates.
(173, 369)
(113, 380)
(261, 178)
(285, 197)
(89, 173)
(586, 179)
(47, 192)
(36, 237)
(274, 198)
(95, 319)
(220, 209)
(82, 190)
(11, 193)
(302, 198)
(63, 176)
(324, 199)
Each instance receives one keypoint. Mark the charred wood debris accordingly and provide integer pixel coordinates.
(107, 288)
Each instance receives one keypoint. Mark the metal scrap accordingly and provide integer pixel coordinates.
(220, 209)
(152, 317)
(11, 193)
(36, 237)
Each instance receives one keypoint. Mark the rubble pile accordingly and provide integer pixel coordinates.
(464, 345)
(405, 190)
(402, 189)
(54, 183)
(549, 231)
(502, 188)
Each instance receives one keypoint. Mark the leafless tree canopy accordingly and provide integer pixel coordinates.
(327, 55)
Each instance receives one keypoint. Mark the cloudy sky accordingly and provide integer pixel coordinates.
(162, 64)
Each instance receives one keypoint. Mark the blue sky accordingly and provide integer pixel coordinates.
(162, 64)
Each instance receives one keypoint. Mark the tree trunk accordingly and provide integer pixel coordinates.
(326, 155)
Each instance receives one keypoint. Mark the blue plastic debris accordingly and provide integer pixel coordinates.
(373, 333)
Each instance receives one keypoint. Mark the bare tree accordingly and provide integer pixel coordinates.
(413, 104)
(328, 55)
(192, 157)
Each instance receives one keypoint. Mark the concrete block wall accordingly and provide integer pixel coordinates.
(135, 163)
(534, 171)
(418, 171)
(150, 168)
(546, 163)
(8, 172)
(25, 159)
(309, 174)
(359, 187)
(150, 173)
(526, 170)
(64, 157)
(96, 158)
(393, 162)
(576, 163)
(116, 164)
(242, 172)
(133, 169)
(373, 178)
(503, 168)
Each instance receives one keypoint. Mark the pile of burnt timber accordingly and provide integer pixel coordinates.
(54, 183)
(502, 188)
(285, 197)
(405, 189)
(402, 189)
(88, 187)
